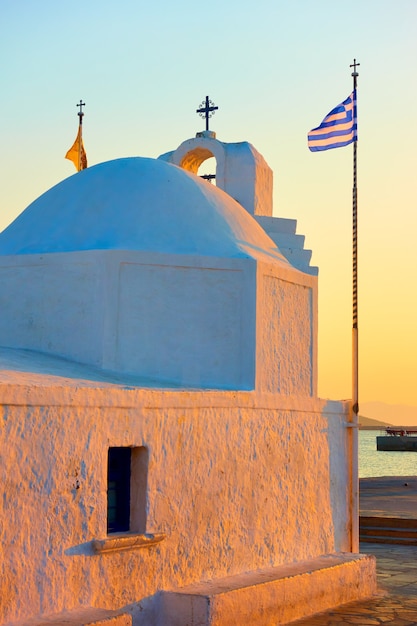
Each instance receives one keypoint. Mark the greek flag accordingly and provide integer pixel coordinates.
(339, 127)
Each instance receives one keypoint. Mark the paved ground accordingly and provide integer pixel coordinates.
(391, 496)
(396, 602)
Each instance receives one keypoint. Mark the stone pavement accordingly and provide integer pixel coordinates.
(389, 496)
(396, 602)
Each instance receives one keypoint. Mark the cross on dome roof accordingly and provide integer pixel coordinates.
(207, 109)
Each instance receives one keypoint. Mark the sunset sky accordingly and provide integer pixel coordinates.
(275, 68)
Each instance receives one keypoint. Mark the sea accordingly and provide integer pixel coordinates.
(381, 463)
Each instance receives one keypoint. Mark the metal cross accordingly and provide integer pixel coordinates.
(208, 177)
(206, 110)
(81, 105)
(354, 65)
(355, 74)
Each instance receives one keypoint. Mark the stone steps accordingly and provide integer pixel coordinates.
(282, 231)
(388, 530)
(280, 224)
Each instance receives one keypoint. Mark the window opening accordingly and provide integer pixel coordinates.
(127, 478)
(118, 490)
(207, 170)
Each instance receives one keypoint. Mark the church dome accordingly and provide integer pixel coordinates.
(137, 204)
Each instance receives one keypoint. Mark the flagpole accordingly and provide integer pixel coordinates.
(76, 153)
(339, 128)
(80, 128)
(80, 133)
(355, 342)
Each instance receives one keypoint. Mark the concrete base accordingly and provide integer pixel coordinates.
(272, 596)
(84, 616)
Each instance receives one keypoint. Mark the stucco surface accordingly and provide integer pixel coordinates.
(52, 307)
(185, 334)
(80, 617)
(241, 171)
(286, 337)
(179, 308)
(236, 481)
(139, 267)
(181, 319)
(272, 596)
(136, 204)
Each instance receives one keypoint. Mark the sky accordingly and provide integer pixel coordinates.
(274, 68)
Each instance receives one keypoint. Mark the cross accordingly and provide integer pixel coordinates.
(206, 110)
(355, 74)
(208, 177)
(81, 105)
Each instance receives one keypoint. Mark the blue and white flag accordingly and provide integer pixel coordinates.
(339, 128)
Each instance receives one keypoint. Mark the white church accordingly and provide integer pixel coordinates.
(165, 458)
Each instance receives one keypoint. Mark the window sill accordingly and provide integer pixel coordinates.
(125, 541)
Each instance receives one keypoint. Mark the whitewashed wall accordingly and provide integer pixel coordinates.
(190, 320)
(287, 312)
(241, 171)
(237, 481)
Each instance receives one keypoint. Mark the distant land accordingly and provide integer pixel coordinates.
(390, 414)
(367, 423)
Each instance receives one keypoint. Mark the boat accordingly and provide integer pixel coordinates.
(398, 438)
